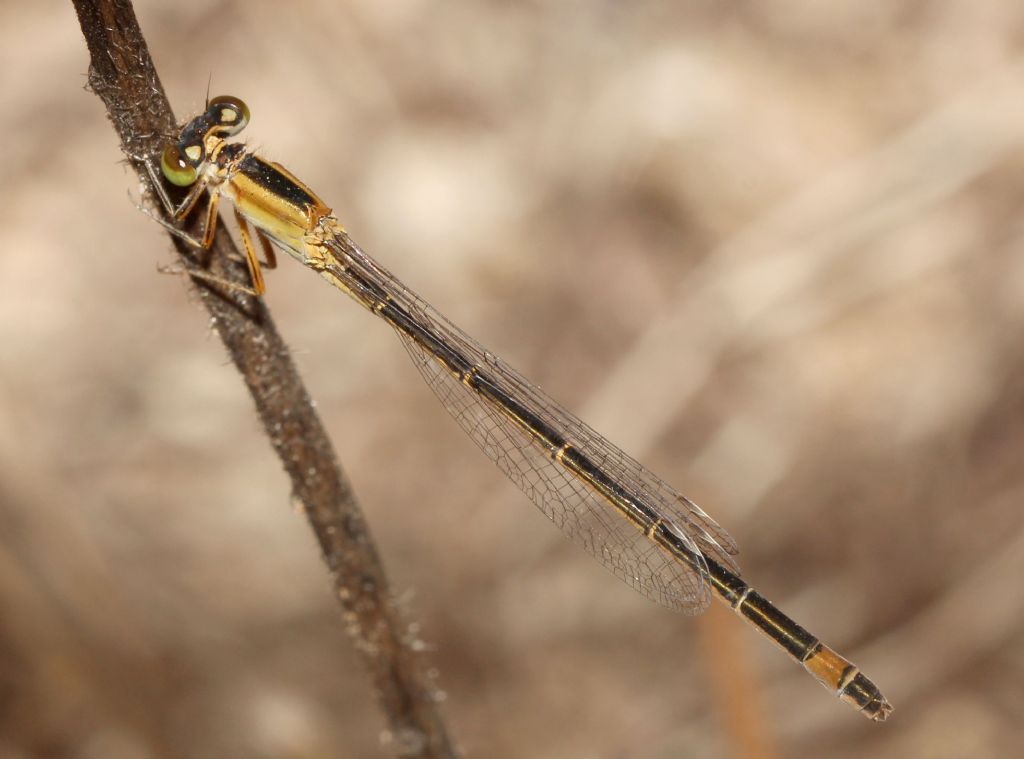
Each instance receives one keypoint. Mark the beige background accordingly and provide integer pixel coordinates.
(771, 249)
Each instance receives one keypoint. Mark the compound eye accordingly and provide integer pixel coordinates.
(177, 168)
(229, 114)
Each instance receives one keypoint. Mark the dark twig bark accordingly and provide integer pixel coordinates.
(122, 74)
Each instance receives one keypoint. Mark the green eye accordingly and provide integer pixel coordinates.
(176, 168)
(229, 114)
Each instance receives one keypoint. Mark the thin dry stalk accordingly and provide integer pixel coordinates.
(122, 74)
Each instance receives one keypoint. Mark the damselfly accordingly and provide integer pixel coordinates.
(650, 536)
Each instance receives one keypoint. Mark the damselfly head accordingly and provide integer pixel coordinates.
(225, 116)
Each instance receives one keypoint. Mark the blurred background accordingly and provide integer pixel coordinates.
(771, 250)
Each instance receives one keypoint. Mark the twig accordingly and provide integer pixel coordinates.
(122, 74)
